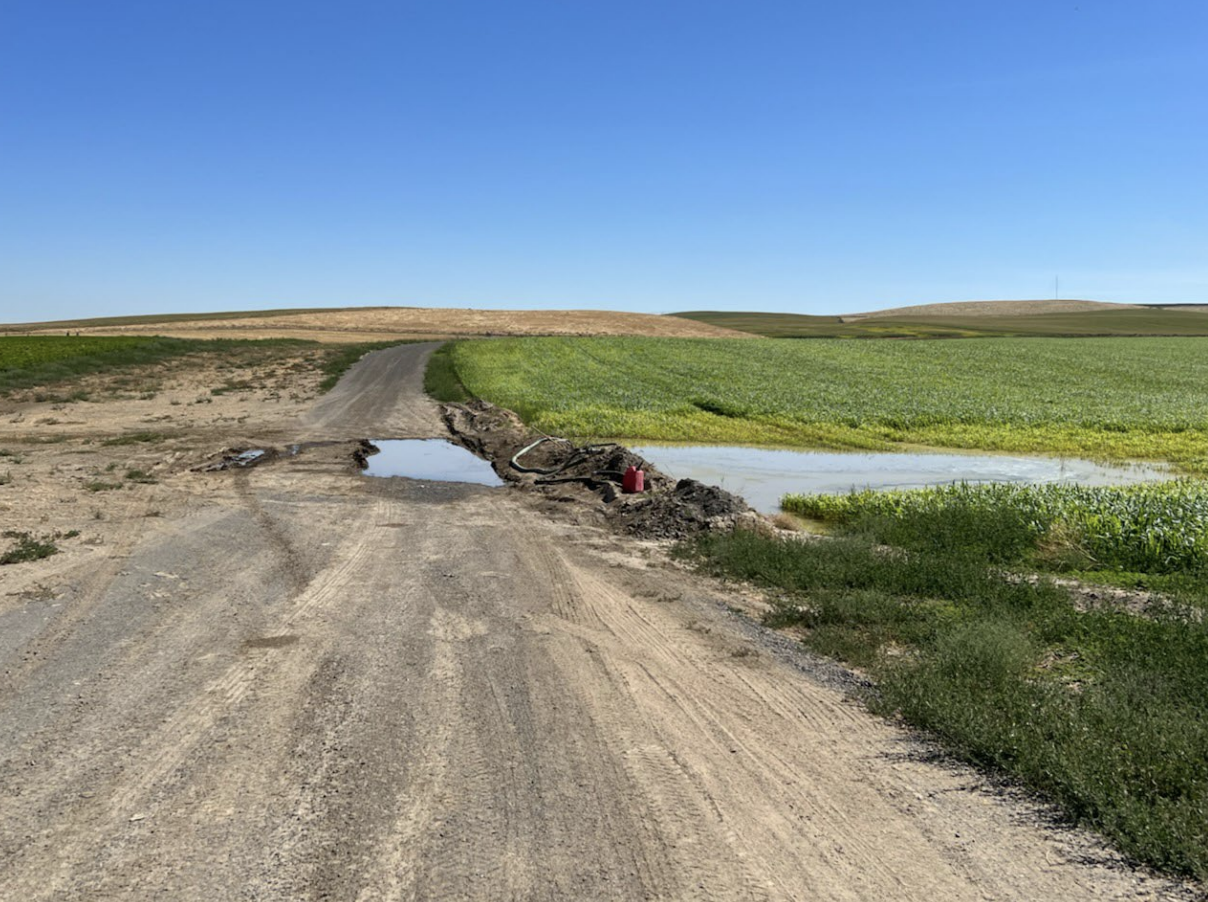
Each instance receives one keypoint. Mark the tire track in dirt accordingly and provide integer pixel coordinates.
(792, 790)
(177, 739)
(159, 759)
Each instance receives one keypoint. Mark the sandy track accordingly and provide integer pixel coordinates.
(298, 683)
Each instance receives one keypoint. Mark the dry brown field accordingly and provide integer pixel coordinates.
(381, 323)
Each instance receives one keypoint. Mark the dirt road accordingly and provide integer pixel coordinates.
(382, 396)
(294, 682)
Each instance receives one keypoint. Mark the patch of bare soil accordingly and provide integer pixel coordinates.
(379, 323)
(989, 308)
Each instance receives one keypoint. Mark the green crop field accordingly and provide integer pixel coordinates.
(803, 325)
(1107, 398)
(40, 350)
(1149, 321)
(33, 360)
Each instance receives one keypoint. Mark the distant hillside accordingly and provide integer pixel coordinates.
(1086, 318)
(989, 308)
(356, 324)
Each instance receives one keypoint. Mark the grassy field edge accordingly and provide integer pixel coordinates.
(441, 381)
(1104, 712)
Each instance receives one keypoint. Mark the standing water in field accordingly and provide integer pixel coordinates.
(763, 476)
(432, 459)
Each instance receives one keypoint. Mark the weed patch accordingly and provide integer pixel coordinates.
(135, 438)
(27, 547)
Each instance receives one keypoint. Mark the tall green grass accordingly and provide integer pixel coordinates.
(1104, 712)
(1158, 528)
(440, 378)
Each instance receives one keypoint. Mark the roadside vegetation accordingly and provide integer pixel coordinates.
(1152, 536)
(1138, 398)
(1103, 711)
(441, 381)
(25, 547)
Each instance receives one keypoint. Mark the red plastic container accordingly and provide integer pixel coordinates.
(633, 481)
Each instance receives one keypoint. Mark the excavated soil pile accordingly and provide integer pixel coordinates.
(556, 467)
(689, 508)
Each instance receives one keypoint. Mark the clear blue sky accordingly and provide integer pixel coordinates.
(658, 156)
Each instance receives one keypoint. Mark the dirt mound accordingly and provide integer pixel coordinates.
(667, 509)
(382, 323)
(691, 507)
(989, 308)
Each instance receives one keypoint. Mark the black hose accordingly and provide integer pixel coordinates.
(577, 456)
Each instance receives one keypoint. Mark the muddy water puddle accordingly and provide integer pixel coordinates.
(764, 475)
(431, 459)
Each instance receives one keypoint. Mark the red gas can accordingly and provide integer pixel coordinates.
(633, 481)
